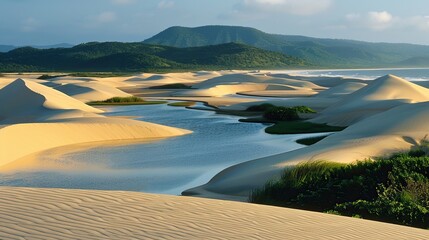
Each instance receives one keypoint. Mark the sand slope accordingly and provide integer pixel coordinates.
(394, 130)
(37, 118)
(31, 213)
(91, 91)
(380, 95)
(19, 140)
(255, 78)
(28, 101)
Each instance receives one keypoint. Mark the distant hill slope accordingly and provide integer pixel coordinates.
(321, 52)
(116, 56)
(7, 48)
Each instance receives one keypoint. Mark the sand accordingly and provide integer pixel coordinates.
(37, 118)
(395, 130)
(378, 96)
(29, 213)
(386, 115)
(91, 91)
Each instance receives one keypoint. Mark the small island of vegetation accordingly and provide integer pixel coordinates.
(125, 101)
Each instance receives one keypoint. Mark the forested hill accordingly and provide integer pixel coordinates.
(130, 57)
(317, 51)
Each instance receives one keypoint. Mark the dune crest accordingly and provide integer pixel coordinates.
(28, 101)
(378, 96)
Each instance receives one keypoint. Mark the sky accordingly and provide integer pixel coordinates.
(44, 22)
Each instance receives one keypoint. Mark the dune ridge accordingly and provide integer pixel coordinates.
(378, 96)
(31, 213)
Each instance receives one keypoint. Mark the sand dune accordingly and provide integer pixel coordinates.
(394, 130)
(30, 213)
(321, 81)
(150, 80)
(19, 140)
(255, 78)
(30, 102)
(380, 95)
(342, 89)
(38, 118)
(91, 91)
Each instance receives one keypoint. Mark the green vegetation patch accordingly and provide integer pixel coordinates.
(391, 189)
(296, 127)
(172, 86)
(181, 104)
(47, 77)
(311, 140)
(125, 101)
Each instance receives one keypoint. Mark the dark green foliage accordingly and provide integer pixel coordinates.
(137, 57)
(46, 76)
(172, 86)
(260, 108)
(125, 101)
(296, 127)
(316, 51)
(393, 189)
(276, 113)
(281, 114)
(310, 141)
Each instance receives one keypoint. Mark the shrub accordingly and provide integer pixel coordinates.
(393, 189)
(260, 108)
(124, 99)
(281, 114)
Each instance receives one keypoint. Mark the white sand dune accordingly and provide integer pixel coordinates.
(255, 78)
(394, 130)
(91, 91)
(28, 101)
(342, 89)
(20, 140)
(150, 80)
(37, 118)
(380, 95)
(31, 213)
(326, 81)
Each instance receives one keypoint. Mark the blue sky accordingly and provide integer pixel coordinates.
(75, 21)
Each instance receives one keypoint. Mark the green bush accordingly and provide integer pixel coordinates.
(393, 189)
(260, 108)
(131, 99)
(285, 113)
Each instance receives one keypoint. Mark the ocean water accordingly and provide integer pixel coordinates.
(164, 166)
(414, 74)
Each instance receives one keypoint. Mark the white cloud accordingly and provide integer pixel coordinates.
(376, 21)
(295, 7)
(106, 17)
(122, 2)
(166, 4)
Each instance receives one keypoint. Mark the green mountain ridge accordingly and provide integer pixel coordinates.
(317, 51)
(135, 57)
